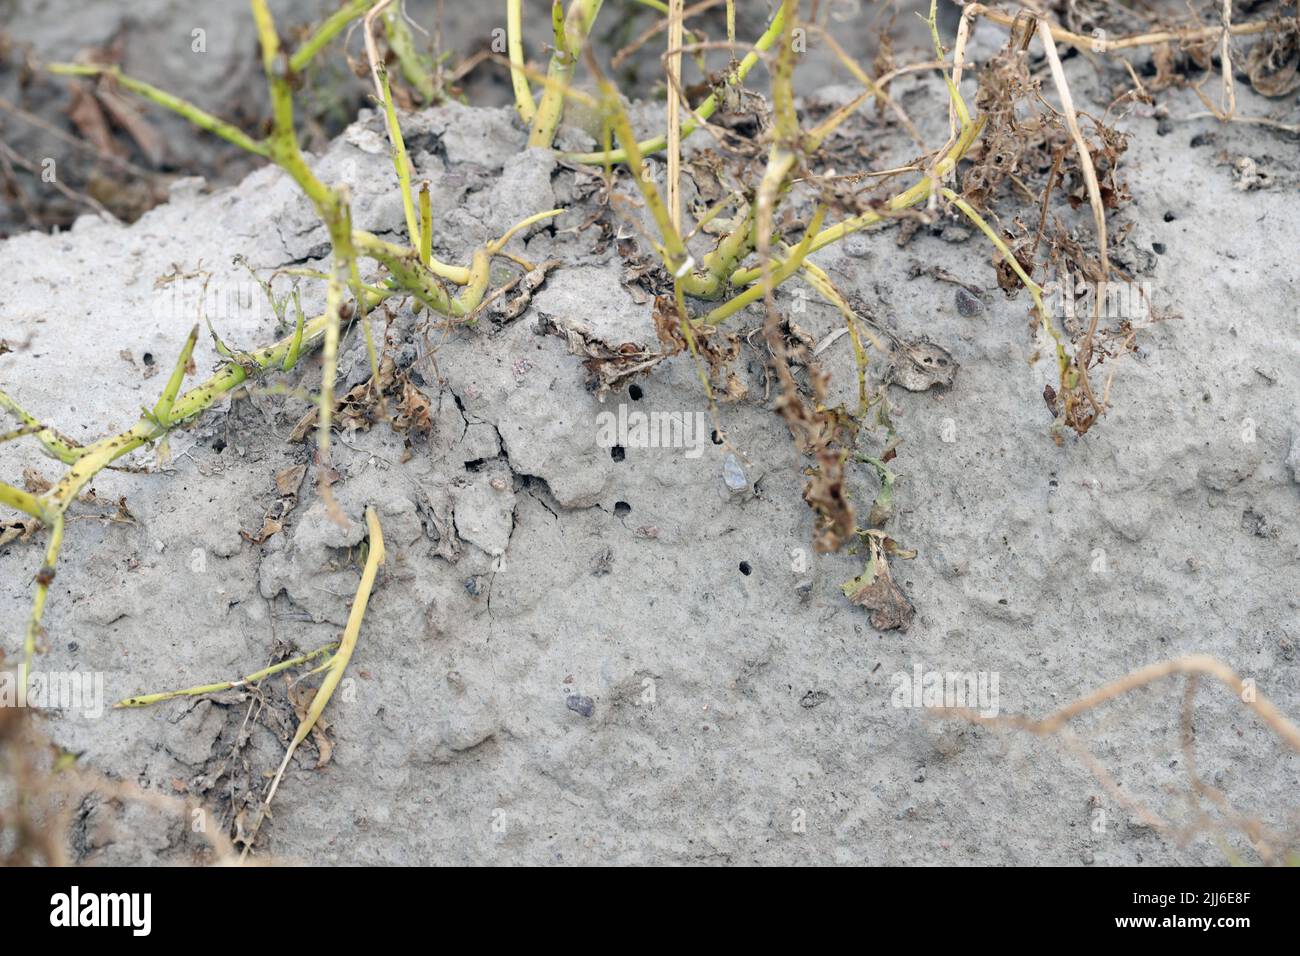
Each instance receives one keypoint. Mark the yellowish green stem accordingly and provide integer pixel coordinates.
(146, 700)
(524, 101)
(571, 33)
(706, 108)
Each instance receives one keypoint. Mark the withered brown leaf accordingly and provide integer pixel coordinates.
(921, 365)
(876, 591)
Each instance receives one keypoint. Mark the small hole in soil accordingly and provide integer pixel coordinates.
(147, 358)
(745, 569)
(622, 509)
(1170, 217)
(219, 445)
(717, 437)
(618, 453)
(1158, 248)
(475, 465)
(634, 392)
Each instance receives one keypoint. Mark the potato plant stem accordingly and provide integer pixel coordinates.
(571, 33)
(337, 663)
(145, 700)
(402, 44)
(43, 579)
(62, 448)
(200, 118)
(524, 101)
(400, 160)
(327, 31)
(706, 108)
(21, 500)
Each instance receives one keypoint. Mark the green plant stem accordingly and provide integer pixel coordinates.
(571, 33)
(401, 161)
(524, 101)
(673, 249)
(61, 447)
(916, 194)
(953, 95)
(22, 431)
(21, 500)
(200, 118)
(337, 663)
(149, 429)
(146, 700)
(413, 269)
(781, 160)
(426, 225)
(334, 24)
(330, 204)
(1035, 291)
(402, 44)
(408, 269)
(706, 108)
(780, 270)
(163, 410)
(295, 343)
(43, 580)
(821, 282)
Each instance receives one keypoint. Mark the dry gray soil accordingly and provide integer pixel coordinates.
(574, 659)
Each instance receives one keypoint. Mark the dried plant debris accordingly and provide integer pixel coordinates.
(921, 365)
(826, 495)
(511, 300)
(613, 366)
(1028, 146)
(819, 432)
(288, 481)
(717, 347)
(366, 404)
(1013, 131)
(1273, 63)
(876, 590)
(1105, 160)
(18, 529)
(610, 366)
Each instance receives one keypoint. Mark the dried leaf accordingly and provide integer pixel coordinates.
(304, 426)
(88, 117)
(125, 115)
(611, 367)
(921, 365)
(825, 494)
(1274, 67)
(270, 526)
(35, 483)
(301, 698)
(289, 480)
(876, 591)
(516, 297)
(413, 410)
(20, 529)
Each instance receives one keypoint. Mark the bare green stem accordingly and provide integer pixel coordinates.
(706, 108)
(571, 33)
(146, 700)
(200, 118)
